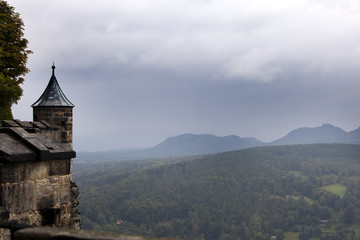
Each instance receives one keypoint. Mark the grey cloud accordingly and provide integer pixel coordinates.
(182, 34)
(150, 69)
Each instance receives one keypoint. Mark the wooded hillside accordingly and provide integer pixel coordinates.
(297, 191)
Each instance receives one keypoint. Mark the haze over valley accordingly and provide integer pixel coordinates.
(194, 144)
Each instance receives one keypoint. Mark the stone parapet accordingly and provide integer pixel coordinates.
(31, 141)
(67, 234)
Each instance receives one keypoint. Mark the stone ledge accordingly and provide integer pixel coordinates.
(49, 233)
(28, 125)
(18, 144)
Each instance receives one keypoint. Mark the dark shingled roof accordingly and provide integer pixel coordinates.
(53, 96)
(22, 141)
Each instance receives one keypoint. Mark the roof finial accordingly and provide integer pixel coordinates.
(53, 69)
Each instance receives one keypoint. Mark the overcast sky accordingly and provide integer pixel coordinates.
(142, 70)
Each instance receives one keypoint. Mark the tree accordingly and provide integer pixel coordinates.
(10, 92)
(349, 214)
(13, 58)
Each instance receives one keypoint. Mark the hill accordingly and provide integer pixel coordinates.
(194, 144)
(248, 194)
(354, 136)
(178, 146)
(326, 133)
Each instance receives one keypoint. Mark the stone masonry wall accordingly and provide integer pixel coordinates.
(60, 116)
(37, 193)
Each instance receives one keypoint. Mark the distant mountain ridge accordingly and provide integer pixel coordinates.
(192, 144)
(197, 144)
(326, 133)
(354, 136)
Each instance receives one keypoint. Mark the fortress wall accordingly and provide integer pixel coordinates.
(37, 193)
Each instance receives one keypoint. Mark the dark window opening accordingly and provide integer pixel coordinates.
(50, 216)
(4, 214)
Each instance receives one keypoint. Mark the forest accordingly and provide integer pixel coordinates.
(288, 192)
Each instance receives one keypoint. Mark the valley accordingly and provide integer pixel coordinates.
(292, 192)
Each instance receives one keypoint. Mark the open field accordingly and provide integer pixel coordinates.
(291, 236)
(337, 189)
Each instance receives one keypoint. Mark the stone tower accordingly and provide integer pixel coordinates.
(36, 185)
(54, 107)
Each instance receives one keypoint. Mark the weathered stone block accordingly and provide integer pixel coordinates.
(9, 173)
(60, 167)
(10, 197)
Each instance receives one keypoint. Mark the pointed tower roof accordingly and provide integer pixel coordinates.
(53, 96)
